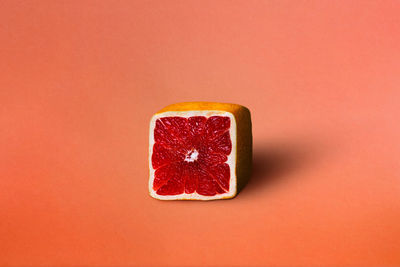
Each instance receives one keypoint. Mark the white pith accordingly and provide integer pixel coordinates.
(192, 156)
(231, 157)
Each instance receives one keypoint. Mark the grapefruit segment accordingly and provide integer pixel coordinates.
(221, 175)
(190, 178)
(221, 144)
(211, 158)
(199, 150)
(176, 128)
(216, 126)
(163, 155)
(207, 185)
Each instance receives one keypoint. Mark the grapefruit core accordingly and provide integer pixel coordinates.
(199, 151)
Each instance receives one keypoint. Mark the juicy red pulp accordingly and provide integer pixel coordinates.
(189, 155)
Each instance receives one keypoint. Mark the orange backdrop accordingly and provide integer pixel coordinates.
(79, 81)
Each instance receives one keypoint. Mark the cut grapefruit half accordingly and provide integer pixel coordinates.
(199, 151)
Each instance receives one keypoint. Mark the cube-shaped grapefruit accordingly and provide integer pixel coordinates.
(199, 151)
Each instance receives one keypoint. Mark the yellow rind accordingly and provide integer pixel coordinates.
(244, 135)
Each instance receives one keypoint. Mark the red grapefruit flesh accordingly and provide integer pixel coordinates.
(189, 155)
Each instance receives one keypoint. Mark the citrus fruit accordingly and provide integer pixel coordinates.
(199, 151)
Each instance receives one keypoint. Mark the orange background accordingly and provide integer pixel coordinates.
(79, 81)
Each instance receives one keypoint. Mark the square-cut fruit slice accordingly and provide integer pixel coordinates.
(199, 151)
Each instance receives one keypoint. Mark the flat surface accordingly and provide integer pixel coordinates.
(79, 81)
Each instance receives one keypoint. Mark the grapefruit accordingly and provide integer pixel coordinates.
(199, 151)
